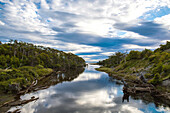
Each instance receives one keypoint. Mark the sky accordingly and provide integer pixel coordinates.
(92, 29)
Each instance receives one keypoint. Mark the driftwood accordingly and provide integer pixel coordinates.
(140, 89)
(16, 111)
(25, 91)
(25, 101)
(12, 102)
(21, 103)
(34, 83)
(164, 94)
(6, 103)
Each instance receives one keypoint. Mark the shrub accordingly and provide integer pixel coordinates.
(146, 53)
(39, 66)
(156, 79)
(152, 57)
(148, 75)
(134, 55)
(166, 68)
(158, 68)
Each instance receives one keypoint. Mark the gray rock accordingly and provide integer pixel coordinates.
(166, 83)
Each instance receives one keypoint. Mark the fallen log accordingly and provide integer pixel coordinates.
(25, 91)
(139, 89)
(24, 101)
(15, 111)
(6, 103)
(144, 85)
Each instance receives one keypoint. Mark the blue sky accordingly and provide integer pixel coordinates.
(92, 29)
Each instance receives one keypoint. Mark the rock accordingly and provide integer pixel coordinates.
(166, 83)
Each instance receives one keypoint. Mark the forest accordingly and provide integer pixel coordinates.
(21, 63)
(16, 54)
(154, 65)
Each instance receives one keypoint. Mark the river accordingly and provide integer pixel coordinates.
(91, 92)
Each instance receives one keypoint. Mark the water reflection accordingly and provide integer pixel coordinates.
(90, 92)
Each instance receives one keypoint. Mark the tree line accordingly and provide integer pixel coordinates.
(118, 57)
(14, 54)
(155, 63)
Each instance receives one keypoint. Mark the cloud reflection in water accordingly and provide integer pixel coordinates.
(91, 92)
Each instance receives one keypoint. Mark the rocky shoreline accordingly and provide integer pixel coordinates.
(138, 85)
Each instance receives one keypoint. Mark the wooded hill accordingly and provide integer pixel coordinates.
(154, 65)
(23, 63)
(17, 53)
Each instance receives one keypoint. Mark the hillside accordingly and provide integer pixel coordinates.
(22, 63)
(154, 66)
(16, 54)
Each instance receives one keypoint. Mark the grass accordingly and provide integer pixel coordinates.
(117, 75)
(22, 76)
(104, 69)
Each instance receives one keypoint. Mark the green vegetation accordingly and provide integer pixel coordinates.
(16, 54)
(155, 65)
(22, 63)
(22, 77)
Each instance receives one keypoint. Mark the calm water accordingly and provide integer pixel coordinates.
(90, 92)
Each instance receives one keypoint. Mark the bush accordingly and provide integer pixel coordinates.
(39, 66)
(148, 75)
(158, 68)
(156, 79)
(166, 68)
(152, 57)
(146, 53)
(134, 55)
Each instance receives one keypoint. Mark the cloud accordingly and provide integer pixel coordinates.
(164, 20)
(1, 23)
(95, 26)
(133, 46)
(148, 29)
(107, 53)
(71, 47)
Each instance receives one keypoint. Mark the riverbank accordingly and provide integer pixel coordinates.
(17, 80)
(135, 85)
(46, 78)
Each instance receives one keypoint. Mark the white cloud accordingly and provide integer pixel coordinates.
(23, 16)
(83, 48)
(35, 20)
(69, 47)
(107, 53)
(2, 23)
(132, 35)
(133, 46)
(165, 20)
(131, 109)
(84, 56)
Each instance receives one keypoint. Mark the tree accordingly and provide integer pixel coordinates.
(134, 55)
(3, 61)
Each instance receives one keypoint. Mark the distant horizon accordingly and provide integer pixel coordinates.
(92, 30)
